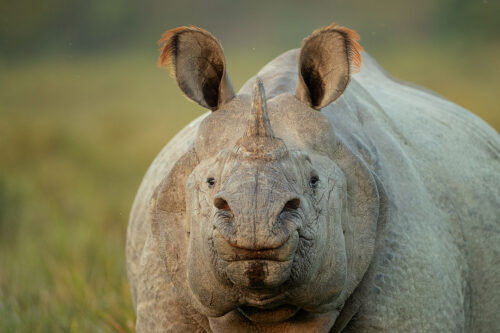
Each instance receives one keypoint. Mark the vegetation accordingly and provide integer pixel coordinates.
(77, 134)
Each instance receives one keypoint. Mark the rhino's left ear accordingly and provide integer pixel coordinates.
(196, 59)
(327, 60)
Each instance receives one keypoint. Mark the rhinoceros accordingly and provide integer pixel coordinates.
(325, 196)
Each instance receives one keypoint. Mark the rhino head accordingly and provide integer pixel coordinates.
(269, 213)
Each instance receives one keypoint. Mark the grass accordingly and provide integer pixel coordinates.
(77, 135)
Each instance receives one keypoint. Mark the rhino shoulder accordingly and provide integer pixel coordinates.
(139, 222)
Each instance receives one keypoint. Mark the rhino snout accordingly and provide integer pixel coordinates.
(252, 229)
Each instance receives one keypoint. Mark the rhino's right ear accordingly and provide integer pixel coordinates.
(327, 59)
(196, 59)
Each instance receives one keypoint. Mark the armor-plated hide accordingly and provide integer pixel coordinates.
(316, 199)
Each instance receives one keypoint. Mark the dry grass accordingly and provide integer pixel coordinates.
(76, 136)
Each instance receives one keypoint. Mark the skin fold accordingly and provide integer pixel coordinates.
(324, 196)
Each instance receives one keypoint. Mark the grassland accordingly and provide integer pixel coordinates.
(77, 135)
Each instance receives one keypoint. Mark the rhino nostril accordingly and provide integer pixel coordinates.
(221, 204)
(293, 204)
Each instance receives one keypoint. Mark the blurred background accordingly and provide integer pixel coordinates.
(84, 110)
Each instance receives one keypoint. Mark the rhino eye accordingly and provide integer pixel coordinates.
(313, 182)
(211, 182)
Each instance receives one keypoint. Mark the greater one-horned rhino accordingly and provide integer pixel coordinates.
(324, 196)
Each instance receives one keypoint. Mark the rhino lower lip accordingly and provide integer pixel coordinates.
(265, 302)
(277, 314)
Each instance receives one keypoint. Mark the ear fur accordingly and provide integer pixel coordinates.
(197, 61)
(327, 60)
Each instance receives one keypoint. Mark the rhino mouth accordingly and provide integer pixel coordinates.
(267, 308)
(256, 269)
(230, 253)
(273, 315)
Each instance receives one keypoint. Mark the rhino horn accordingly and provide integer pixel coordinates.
(259, 140)
(259, 124)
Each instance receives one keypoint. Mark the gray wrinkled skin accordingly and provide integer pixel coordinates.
(378, 213)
